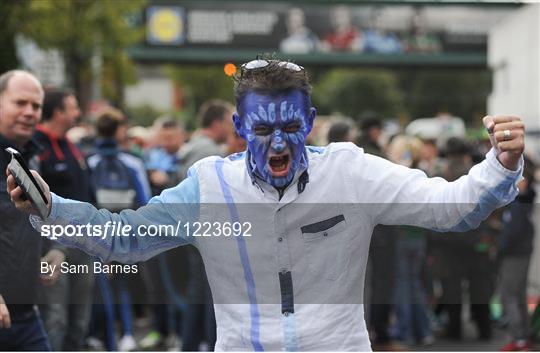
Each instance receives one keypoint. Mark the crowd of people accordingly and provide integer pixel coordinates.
(110, 164)
(415, 287)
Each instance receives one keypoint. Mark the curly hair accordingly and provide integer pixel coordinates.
(272, 78)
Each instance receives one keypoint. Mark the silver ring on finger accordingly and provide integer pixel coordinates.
(506, 135)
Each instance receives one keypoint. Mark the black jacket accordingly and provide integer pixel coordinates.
(20, 244)
(63, 167)
(518, 230)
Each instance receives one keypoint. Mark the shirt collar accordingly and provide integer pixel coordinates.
(51, 135)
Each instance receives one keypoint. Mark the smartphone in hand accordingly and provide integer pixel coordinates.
(30, 186)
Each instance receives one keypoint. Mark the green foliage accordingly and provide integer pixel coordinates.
(118, 34)
(143, 115)
(404, 93)
(8, 30)
(198, 84)
(78, 28)
(352, 91)
(463, 93)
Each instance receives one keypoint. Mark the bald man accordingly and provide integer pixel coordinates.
(21, 100)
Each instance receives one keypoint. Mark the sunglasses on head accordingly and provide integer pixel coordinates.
(260, 63)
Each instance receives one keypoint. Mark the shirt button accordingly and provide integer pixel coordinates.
(325, 234)
(286, 313)
(280, 239)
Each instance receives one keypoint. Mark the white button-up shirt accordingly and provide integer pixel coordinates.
(297, 282)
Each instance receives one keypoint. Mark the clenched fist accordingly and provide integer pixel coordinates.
(507, 135)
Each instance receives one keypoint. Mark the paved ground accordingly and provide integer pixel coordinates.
(468, 343)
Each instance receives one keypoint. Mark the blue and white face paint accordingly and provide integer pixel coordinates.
(275, 128)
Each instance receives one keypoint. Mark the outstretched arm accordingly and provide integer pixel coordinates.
(407, 196)
(123, 237)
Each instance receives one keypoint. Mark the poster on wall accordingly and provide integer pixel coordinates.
(293, 28)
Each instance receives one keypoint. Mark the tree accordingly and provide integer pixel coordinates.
(8, 23)
(352, 91)
(81, 29)
(463, 93)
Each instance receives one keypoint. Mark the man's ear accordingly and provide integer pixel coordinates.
(238, 125)
(311, 118)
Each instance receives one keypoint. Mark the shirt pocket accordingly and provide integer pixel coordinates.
(327, 247)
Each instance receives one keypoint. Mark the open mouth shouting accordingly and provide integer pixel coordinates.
(279, 164)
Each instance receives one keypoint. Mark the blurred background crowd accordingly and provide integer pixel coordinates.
(421, 285)
(137, 116)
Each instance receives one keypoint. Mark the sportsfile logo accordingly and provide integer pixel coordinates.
(118, 229)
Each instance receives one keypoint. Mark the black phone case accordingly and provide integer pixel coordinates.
(27, 182)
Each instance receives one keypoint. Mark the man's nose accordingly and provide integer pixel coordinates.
(29, 110)
(278, 143)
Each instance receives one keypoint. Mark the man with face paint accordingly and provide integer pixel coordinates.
(275, 126)
(293, 278)
(274, 117)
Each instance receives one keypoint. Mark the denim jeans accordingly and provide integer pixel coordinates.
(66, 305)
(410, 297)
(28, 335)
(514, 272)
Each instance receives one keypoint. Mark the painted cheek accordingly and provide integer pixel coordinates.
(259, 146)
(248, 130)
(293, 139)
(304, 128)
(250, 136)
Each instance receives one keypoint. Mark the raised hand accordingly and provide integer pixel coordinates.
(508, 138)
